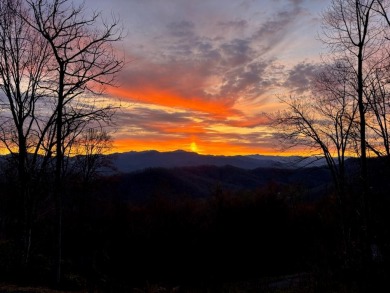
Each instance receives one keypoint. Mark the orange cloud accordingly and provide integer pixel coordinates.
(168, 98)
(203, 147)
(250, 122)
(170, 128)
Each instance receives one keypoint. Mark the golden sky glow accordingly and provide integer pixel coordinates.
(203, 75)
(194, 147)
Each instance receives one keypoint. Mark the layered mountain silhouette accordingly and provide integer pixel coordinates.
(205, 181)
(144, 175)
(135, 161)
(139, 176)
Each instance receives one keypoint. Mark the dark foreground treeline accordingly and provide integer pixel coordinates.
(113, 245)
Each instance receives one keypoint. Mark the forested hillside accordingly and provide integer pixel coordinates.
(200, 227)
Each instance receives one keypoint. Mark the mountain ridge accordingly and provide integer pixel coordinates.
(206, 181)
(135, 161)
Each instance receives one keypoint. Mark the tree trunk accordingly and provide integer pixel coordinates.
(24, 196)
(58, 173)
(363, 160)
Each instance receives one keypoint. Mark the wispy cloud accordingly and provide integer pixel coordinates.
(213, 66)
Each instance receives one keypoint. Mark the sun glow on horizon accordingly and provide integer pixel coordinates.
(194, 147)
(203, 147)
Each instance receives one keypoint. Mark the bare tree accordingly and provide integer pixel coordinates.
(84, 61)
(377, 92)
(353, 116)
(90, 149)
(324, 122)
(23, 58)
(355, 31)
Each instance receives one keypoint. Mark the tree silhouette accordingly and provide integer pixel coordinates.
(55, 59)
(24, 56)
(354, 115)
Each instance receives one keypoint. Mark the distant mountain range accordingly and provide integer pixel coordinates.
(204, 181)
(146, 174)
(139, 176)
(136, 161)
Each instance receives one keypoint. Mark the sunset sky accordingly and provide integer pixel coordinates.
(202, 73)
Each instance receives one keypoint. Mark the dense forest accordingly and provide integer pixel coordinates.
(275, 236)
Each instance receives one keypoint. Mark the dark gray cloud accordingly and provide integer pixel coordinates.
(249, 80)
(195, 60)
(296, 2)
(238, 25)
(237, 52)
(181, 29)
(145, 115)
(301, 76)
(191, 57)
(154, 120)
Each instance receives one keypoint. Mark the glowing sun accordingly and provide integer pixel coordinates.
(194, 147)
